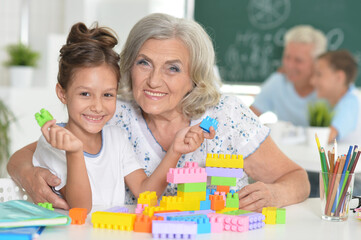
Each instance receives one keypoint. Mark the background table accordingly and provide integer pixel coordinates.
(302, 221)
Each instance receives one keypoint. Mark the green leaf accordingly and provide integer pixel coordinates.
(320, 114)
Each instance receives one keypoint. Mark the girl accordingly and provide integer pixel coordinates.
(94, 161)
(334, 81)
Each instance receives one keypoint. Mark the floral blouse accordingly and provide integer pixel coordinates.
(239, 132)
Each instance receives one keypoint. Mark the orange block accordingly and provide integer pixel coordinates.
(223, 189)
(217, 202)
(78, 215)
(143, 223)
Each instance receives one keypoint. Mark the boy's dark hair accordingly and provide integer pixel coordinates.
(342, 60)
(87, 47)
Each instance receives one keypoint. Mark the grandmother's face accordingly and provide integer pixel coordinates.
(160, 76)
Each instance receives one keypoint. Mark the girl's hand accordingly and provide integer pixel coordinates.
(61, 138)
(189, 139)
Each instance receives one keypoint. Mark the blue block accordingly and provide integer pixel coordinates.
(203, 224)
(205, 205)
(208, 122)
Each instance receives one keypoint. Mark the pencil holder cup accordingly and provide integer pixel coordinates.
(335, 194)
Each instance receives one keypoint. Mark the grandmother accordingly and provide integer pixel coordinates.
(167, 84)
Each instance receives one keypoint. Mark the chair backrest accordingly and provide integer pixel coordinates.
(9, 190)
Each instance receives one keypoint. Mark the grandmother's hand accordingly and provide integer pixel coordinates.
(189, 139)
(256, 196)
(36, 183)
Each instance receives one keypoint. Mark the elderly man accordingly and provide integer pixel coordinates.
(288, 92)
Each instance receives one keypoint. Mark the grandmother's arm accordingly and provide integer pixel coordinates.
(279, 181)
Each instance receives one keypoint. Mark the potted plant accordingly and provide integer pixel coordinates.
(21, 63)
(320, 117)
(6, 118)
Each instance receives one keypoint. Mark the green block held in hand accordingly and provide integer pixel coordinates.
(43, 117)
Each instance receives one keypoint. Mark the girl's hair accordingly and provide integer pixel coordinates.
(87, 47)
(205, 92)
(307, 34)
(342, 60)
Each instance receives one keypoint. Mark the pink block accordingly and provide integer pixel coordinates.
(140, 208)
(232, 223)
(222, 194)
(187, 175)
(217, 222)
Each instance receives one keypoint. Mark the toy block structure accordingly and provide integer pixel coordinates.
(203, 224)
(174, 229)
(117, 209)
(224, 181)
(201, 196)
(46, 205)
(143, 223)
(221, 172)
(78, 215)
(217, 202)
(221, 161)
(191, 173)
(256, 220)
(149, 198)
(43, 117)
(208, 122)
(270, 215)
(116, 221)
(149, 211)
(232, 200)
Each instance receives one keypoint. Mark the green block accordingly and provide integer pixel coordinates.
(232, 201)
(43, 117)
(237, 212)
(223, 181)
(280, 216)
(192, 187)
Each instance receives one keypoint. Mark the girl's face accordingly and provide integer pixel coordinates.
(90, 98)
(325, 80)
(160, 76)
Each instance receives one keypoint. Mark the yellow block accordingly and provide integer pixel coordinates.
(149, 211)
(221, 161)
(226, 210)
(179, 203)
(149, 198)
(270, 214)
(111, 220)
(192, 195)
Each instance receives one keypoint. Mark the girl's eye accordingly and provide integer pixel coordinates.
(108, 95)
(174, 69)
(85, 94)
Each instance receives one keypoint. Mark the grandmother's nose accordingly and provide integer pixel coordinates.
(155, 78)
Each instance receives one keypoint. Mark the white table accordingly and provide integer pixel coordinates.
(303, 221)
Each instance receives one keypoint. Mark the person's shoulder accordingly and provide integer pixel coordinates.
(277, 77)
(228, 105)
(351, 98)
(114, 131)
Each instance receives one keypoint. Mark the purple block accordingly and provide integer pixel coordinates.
(224, 172)
(254, 217)
(174, 229)
(118, 209)
(186, 213)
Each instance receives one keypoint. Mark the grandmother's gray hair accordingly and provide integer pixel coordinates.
(307, 34)
(205, 92)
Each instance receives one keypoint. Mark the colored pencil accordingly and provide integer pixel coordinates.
(327, 208)
(337, 183)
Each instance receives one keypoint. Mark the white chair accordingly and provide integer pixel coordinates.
(9, 190)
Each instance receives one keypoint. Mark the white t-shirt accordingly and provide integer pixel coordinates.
(106, 169)
(239, 132)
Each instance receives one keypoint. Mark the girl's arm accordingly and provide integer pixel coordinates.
(35, 180)
(77, 191)
(187, 140)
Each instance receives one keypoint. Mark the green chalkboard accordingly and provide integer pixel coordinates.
(248, 34)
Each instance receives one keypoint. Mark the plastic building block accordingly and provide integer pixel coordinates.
(358, 213)
(184, 213)
(201, 196)
(191, 173)
(203, 224)
(149, 198)
(224, 172)
(143, 223)
(280, 216)
(226, 210)
(78, 215)
(150, 210)
(224, 189)
(117, 209)
(116, 221)
(174, 229)
(46, 205)
(140, 208)
(232, 201)
(43, 117)
(206, 204)
(237, 212)
(270, 214)
(233, 223)
(224, 181)
(217, 222)
(208, 122)
(217, 202)
(221, 161)
(192, 187)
